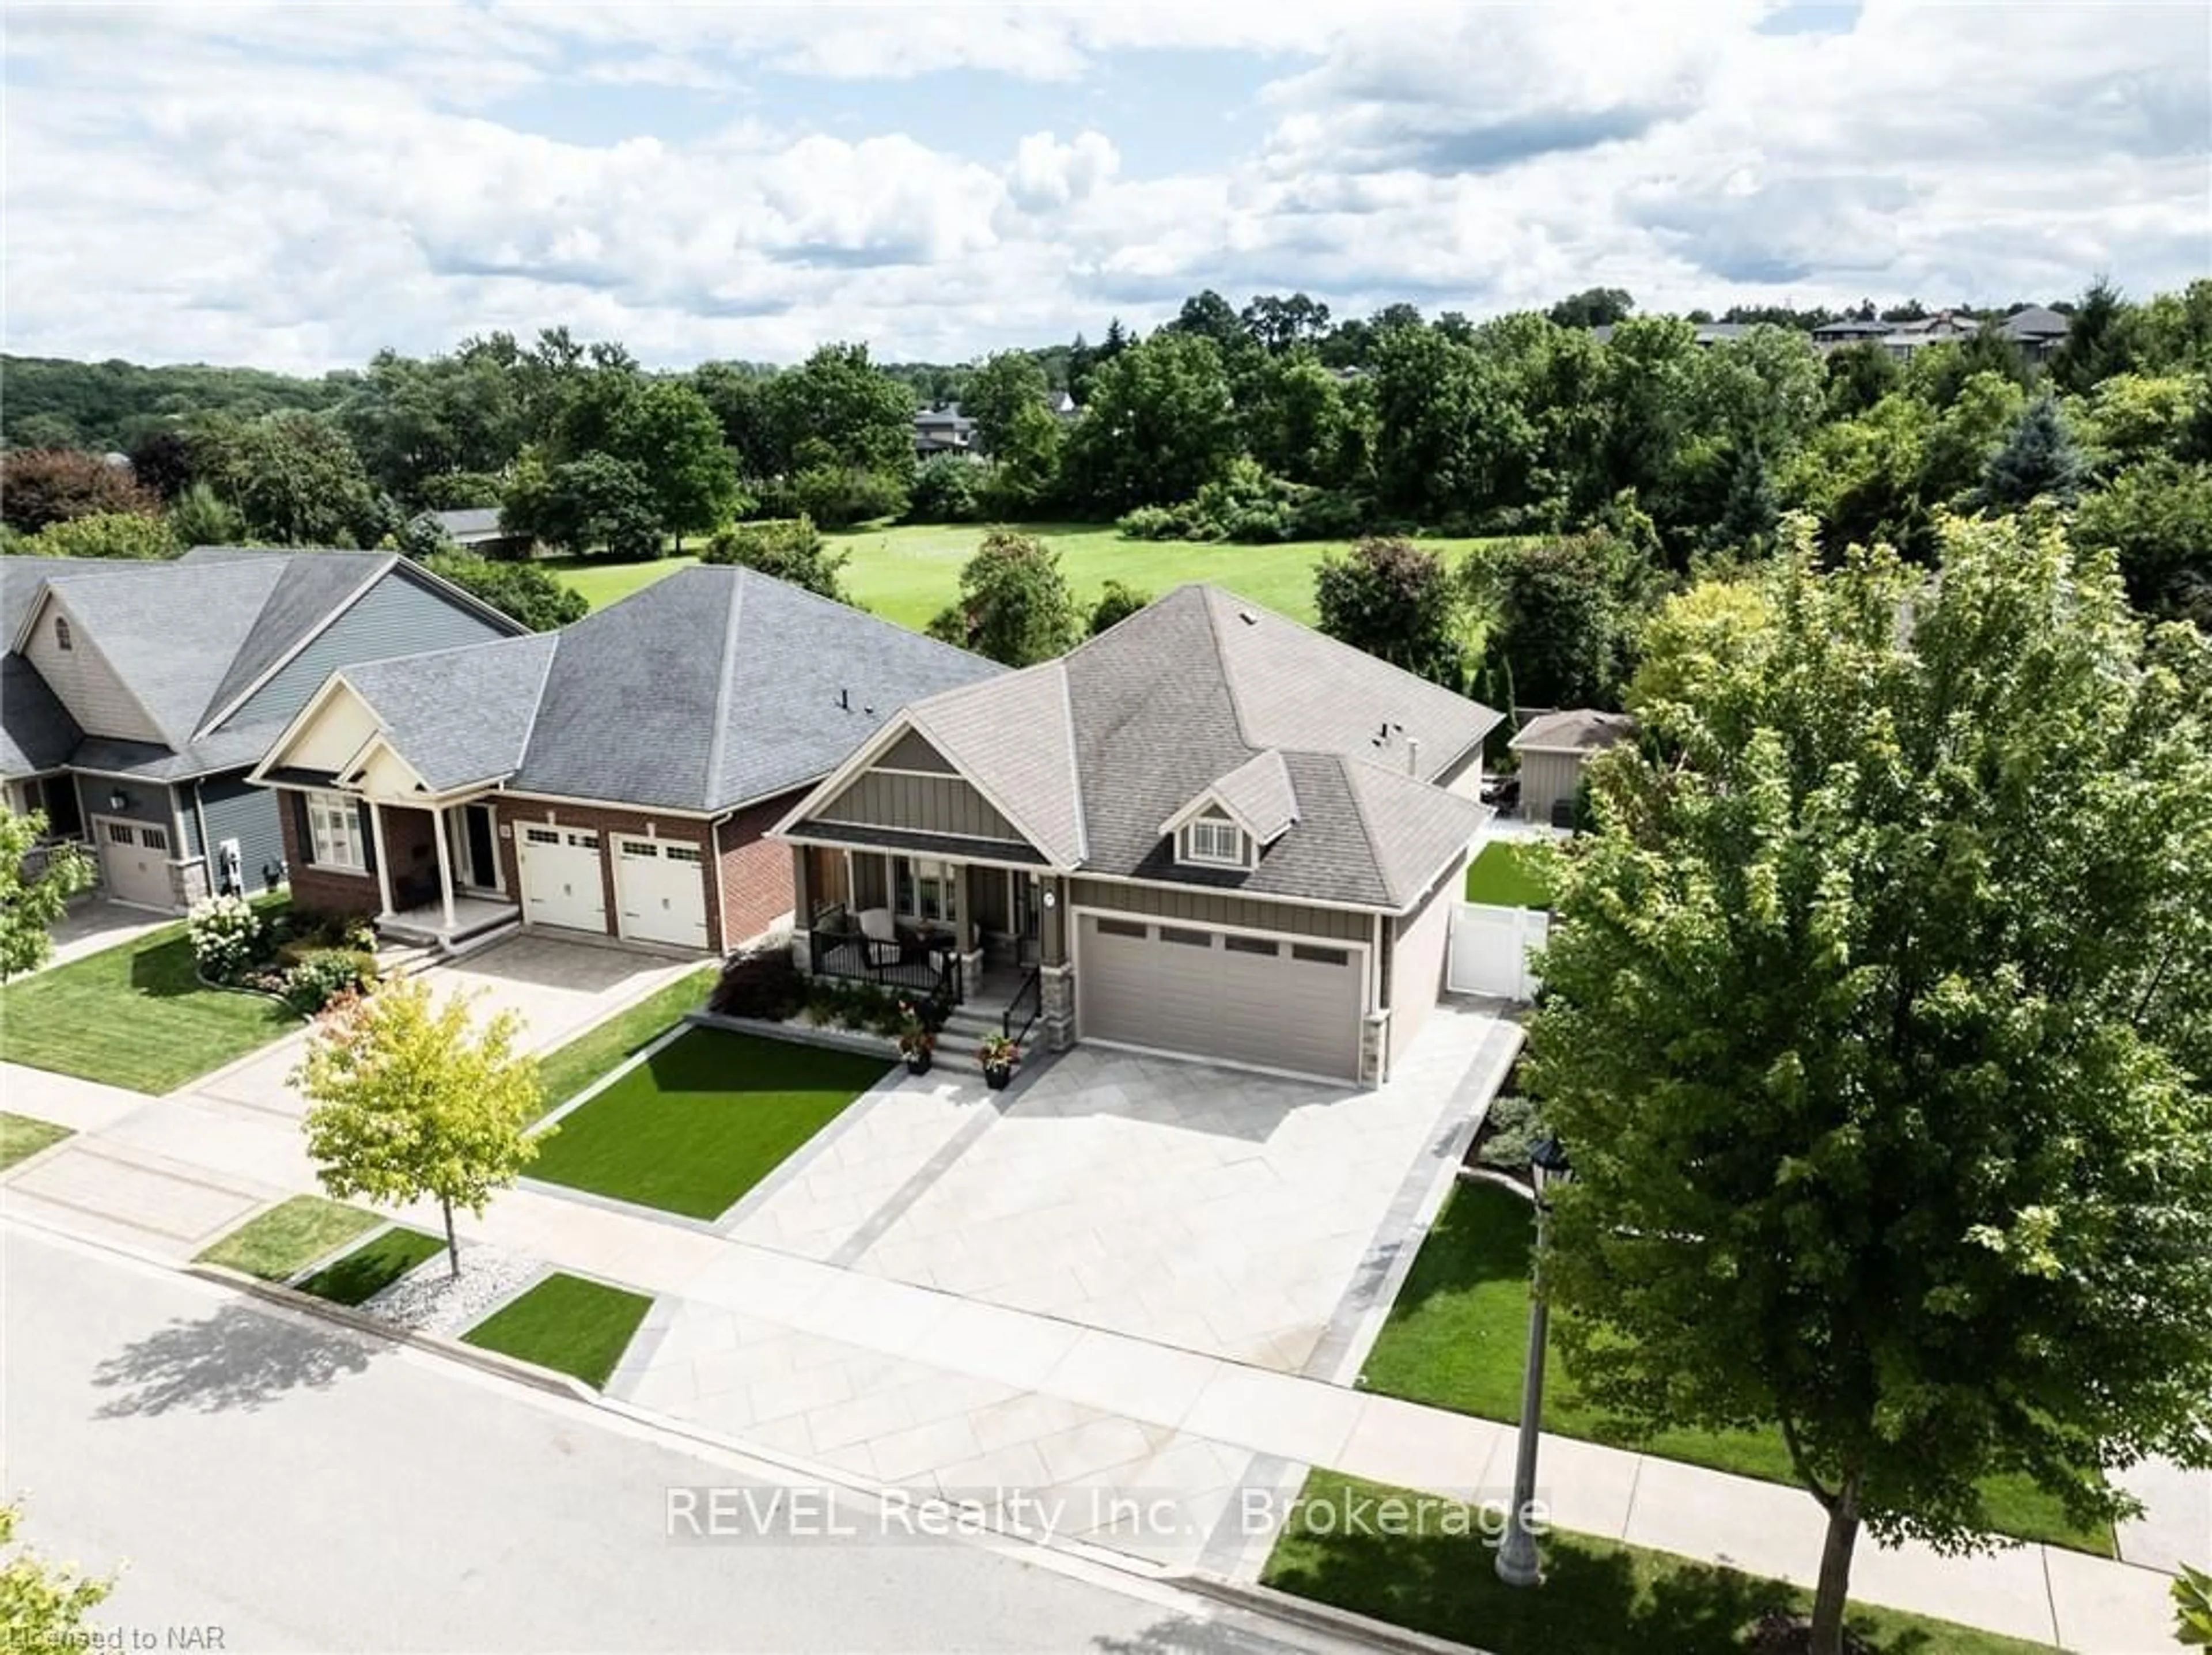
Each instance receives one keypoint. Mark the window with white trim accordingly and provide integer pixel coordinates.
(1213, 842)
(924, 890)
(334, 832)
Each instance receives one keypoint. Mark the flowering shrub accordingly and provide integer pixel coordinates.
(321, 978)
(226, 937)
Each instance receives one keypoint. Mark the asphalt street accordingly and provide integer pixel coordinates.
(289, 1486)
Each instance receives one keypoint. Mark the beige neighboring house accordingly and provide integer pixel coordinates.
(1553, 748)
(1207, 832)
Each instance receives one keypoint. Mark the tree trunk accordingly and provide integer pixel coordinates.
(1828, 1601)
(454, 1245)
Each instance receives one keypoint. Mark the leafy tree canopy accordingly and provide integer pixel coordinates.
(1014, 604)
(34, 892)
(1878, 1020)
(1398, 602)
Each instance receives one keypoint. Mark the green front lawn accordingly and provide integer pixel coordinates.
(566, 1323)
(703, 1120)
(1457, 1335)
(290, 1235)
(21, 1137)
(373, 1266)
(568, 1069)
(133, 1016)
(1599, 1597)
(1504, 874)
(907, 574)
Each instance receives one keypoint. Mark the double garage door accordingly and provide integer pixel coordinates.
(1271, 1002)
(659, 884)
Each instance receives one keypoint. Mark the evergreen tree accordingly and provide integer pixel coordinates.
(1752, 511)
(2041, 458)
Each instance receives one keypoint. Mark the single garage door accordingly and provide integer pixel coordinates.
(561, 879)
(134, 861)
(1269, 1001)
(663, 891)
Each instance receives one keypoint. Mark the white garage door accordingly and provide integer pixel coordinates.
(561, 879)
(134, 860)
(663, 891)
(1269, 1001)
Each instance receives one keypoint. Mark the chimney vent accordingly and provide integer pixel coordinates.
(845, 700)
(1412, 755)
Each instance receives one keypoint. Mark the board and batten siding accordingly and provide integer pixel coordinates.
(920, 803)
(1220, 907)
(233, 809)
(396, 617)
(85, 681)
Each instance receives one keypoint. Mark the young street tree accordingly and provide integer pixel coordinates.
(410, 1100)
(42, 1604)
(1878, 1021)
(31, 906)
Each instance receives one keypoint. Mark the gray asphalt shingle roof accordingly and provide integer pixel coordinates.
(460, 715)
(1574, 729)
(187, 638)
(1092, 752)
(707, 689)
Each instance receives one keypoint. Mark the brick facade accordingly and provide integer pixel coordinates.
(756, 873)
(325, 890)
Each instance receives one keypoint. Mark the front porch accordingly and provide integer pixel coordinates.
(431, 925)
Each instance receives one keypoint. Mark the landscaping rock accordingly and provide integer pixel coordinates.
(430, 1299)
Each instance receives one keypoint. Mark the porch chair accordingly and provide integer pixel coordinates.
(879, 933)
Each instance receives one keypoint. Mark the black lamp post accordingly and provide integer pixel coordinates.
(1516, 1554)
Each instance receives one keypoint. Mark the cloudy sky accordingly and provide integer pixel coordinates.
(297, 186)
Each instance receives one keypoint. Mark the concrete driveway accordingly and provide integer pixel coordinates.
(559, 987)
(1235, 1215)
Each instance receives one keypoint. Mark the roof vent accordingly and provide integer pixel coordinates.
(1247, 618)
(845, 700)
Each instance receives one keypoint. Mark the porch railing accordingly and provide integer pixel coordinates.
(847, 954)
(1031, 995)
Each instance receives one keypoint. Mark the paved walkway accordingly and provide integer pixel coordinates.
(886, 1381)
(91, 925)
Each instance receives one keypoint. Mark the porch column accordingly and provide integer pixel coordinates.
(383, 861)
(445, 863)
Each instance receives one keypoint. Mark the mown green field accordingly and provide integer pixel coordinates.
(908, 572)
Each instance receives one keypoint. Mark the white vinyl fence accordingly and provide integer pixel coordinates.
(1490, 950)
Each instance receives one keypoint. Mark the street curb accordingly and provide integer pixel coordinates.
(435, 1344)
(1320, 1617)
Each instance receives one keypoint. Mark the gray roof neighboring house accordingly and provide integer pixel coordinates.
(187, 638)
(471, 524)
(1573, 730)
(709, 689)
(2032, 324)
(1201, 692)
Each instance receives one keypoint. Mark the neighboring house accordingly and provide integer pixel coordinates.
(1208, 832)
(1849, 330)
(476, 529)
(1553, 748)
(1707, 334)
(615, 777)
(135, 696)
(1062, 405)
(943, 430)
(1905, 340)
(2038, 330)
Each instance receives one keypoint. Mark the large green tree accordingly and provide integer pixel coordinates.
(838, 408)
(1399, 602)
(295, 477)
(999, 391)
(671, 434)
(2157, 519)
(1014, 604)
(523, 591)
(408, 1097)
(1564, 613)
(1877, 1022)
(35, 887)
(1158, 426)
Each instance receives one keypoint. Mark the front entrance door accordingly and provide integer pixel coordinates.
(1025, 912)
(481, 844)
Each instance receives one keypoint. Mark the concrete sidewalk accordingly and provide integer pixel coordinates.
(1113, 1409)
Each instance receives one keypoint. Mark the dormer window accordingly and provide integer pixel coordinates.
(62, 639)
(1214, 842)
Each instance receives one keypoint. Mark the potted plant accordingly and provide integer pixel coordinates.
(915, 1041)
(998, 1054)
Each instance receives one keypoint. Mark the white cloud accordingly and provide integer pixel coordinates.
(300, 186)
